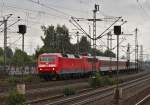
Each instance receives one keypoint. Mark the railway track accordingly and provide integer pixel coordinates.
(55, 83)
(97, 94)
(90, 96)
(46, 86)
(144, 101)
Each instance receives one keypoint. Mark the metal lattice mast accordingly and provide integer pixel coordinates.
(94, 36)
(136, 49)
(5, 20)
(141, 56)
(5, 41)
(110, 49)
(78, 46)
(128, 56)
(108, 39)
(90, 35)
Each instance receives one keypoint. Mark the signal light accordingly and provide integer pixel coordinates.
(22, 29)
(117, 30)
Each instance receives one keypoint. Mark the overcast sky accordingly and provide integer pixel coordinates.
(54, 12)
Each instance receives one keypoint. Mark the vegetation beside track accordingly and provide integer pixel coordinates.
(98, 80)
(95, 81)
(15, 98)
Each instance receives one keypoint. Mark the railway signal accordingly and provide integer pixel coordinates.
(117, 31)
(21, 87)
(22, 30)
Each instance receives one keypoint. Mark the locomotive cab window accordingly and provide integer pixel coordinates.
(47, 59)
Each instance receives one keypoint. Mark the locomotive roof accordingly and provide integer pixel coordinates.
(79, 56)
(63, 55)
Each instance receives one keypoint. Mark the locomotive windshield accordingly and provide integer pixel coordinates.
(47, 59)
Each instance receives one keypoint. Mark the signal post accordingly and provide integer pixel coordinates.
(117, 32)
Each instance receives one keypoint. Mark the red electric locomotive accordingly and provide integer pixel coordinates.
(62, 65)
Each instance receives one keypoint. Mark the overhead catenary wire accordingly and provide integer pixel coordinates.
(33, 11)
(51, 8)
(70, 9)
(11, 25)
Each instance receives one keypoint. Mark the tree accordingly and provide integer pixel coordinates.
(109, 53)
(39, 51)
(20, 58)
(9, 52)
(1, 60)
(1, 51)
(97, 52)
(55, 39)
(84, 45)
(63, 39)
(48, 38)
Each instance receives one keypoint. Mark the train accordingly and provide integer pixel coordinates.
(51, 65)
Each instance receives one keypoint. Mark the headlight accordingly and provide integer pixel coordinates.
(53, 68)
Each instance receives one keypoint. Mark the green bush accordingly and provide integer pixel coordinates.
(15, 98)
(95, 80)
(98, 80)
(69, 91)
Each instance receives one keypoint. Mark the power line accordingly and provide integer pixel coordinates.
(37, 11)
(70, 9)
(11, 24)
(51, 8)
